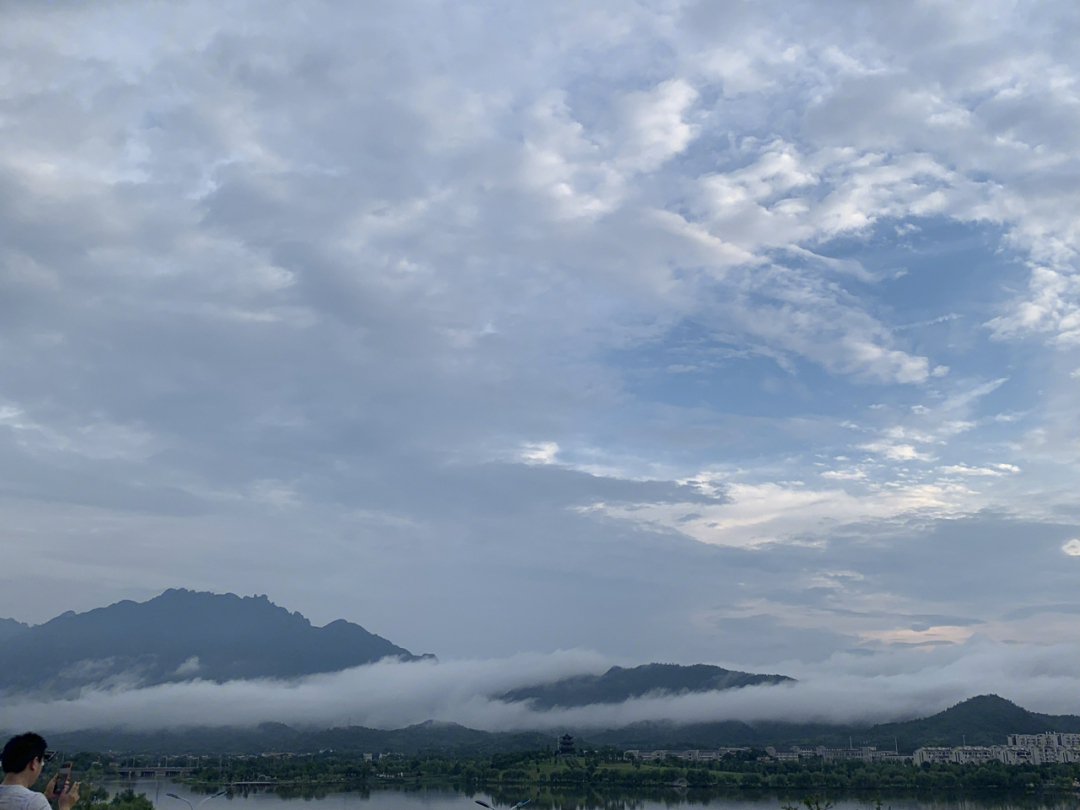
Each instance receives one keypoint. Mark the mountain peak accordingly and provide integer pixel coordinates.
(986, 702)
(619, 684)
(226, 636)
(980, 720)
(9, 628)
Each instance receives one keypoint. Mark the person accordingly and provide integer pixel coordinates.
(22, 759)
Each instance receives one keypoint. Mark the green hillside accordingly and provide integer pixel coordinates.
(619, 684)
(984, 720)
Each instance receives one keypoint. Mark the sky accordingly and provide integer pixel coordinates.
(743, 333)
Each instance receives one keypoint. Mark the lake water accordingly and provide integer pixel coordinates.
(432, 799)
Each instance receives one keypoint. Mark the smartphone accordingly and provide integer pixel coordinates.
(62, 778)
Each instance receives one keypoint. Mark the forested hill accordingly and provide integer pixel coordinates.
(619, 684)
(445, 738)
(982, 720)
(179, 635)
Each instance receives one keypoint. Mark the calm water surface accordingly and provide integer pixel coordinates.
(451, 800)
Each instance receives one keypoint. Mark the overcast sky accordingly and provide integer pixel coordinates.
(745, 333)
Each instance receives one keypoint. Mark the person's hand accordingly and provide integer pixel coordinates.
(52, 782)
(68, 797)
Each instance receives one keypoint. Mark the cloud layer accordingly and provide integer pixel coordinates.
(393, 695)
(673, 330)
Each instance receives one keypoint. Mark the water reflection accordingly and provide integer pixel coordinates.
(449, 798)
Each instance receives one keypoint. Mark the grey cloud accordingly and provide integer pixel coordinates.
(1038, 610)
(977, 559)
(763, 639)
(898, 684)
(275, 297)
(917, 644)
(823, 598)
(549, 486)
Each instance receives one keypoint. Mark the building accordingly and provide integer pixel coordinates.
(977, 754)
(566, 746)
(689, 755)
(1014, 754)
(782, 756)
(696, 755)
(864, 754)
(1051, 739)
(930, 756)
(1022, 749)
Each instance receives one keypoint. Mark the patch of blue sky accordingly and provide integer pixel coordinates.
(937, 283)
(932, 268)
(932, 283)
(695, 365)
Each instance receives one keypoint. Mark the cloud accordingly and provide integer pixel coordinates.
(382, 313)
(845, 688)
(964, 469)
(773, 512)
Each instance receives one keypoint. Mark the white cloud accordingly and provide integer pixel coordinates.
(657, 126)
(964, 469)
(540, 452)
(896, 451)
(279, 276)
(782, 512)
(1052, 307)
(846, 688)
(844, 475)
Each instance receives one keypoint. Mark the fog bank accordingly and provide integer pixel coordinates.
(845, 689)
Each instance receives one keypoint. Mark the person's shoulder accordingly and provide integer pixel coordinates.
(17, 797)
(12, 797)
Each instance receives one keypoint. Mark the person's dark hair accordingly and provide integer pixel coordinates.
(21, 750)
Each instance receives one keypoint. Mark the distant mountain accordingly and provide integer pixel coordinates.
(181, 635)
(982, 720)
(9, 628)
(447, 738)
(619, 684)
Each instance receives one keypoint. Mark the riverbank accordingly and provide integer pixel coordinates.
(540, 770)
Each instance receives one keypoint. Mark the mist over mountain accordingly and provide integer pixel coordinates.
(982, 720)
(978, 721)
(449, 738)
(619, 684)
(181, 635)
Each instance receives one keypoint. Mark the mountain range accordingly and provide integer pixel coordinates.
(183, 635)
(180, 635)
(619, 684)
(982, 720)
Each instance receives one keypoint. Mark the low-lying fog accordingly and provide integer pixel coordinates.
(847, 688)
